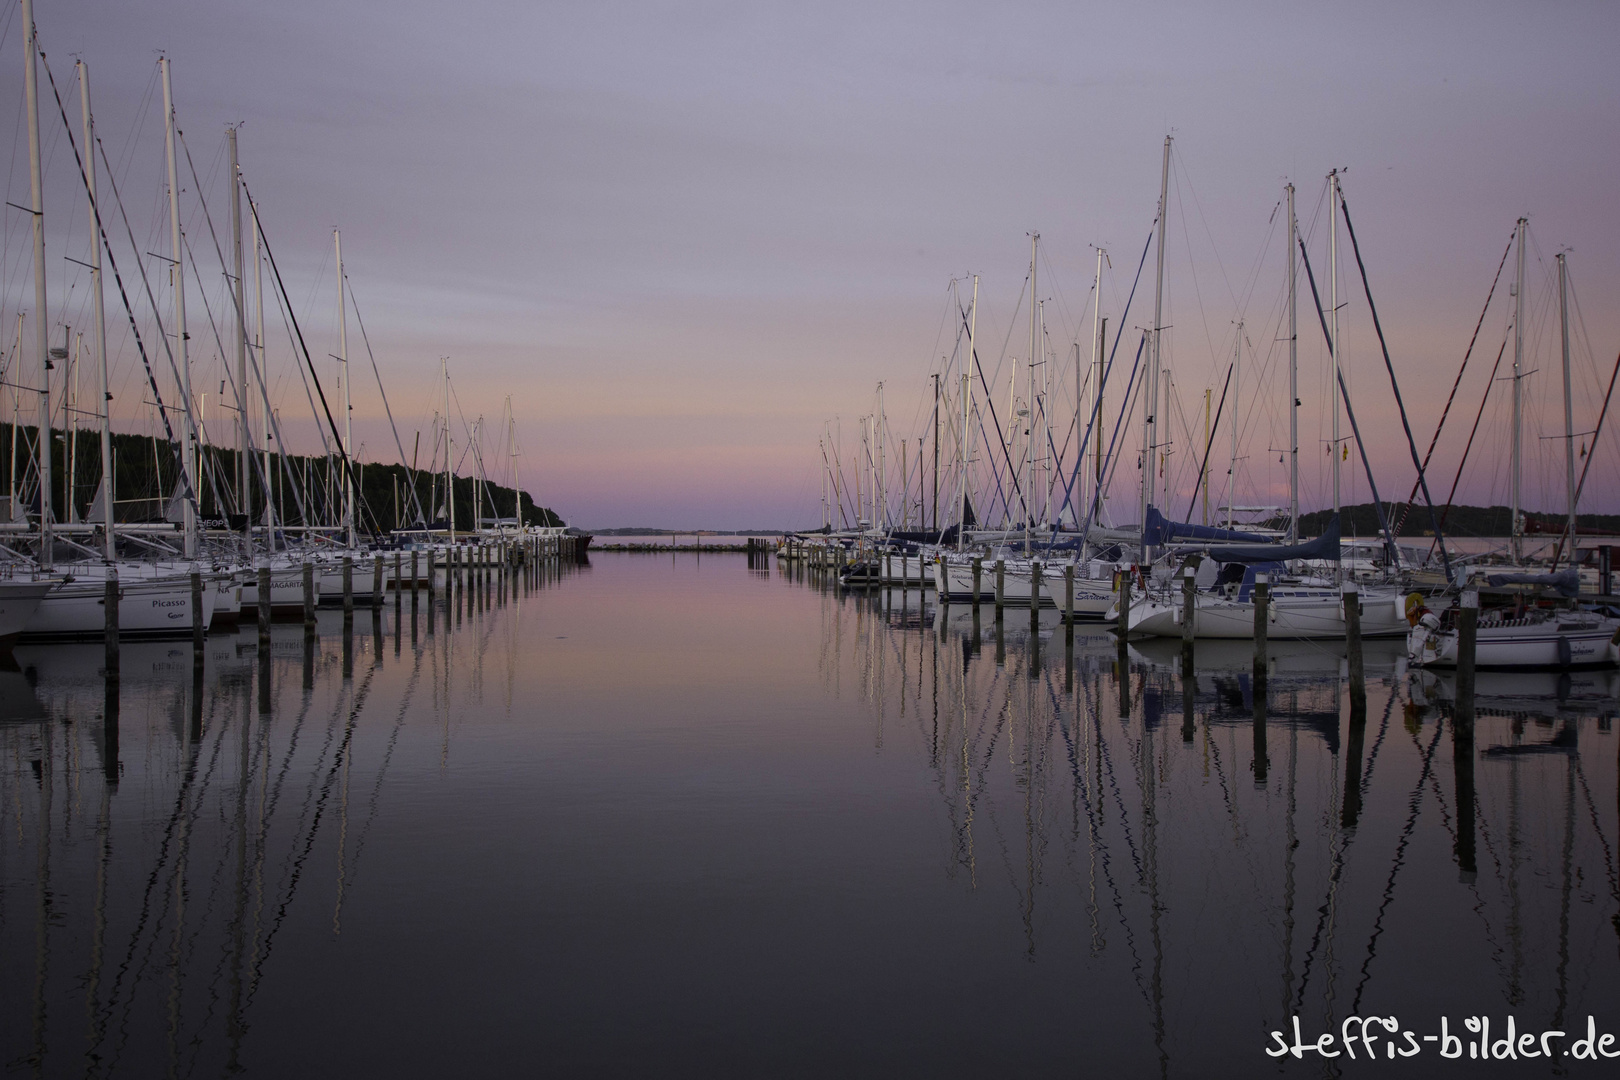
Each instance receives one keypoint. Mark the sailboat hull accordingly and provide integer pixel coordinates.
(152, 609)
(1093, 596)
(1292, 615)
(19, 600)
(1521, 643)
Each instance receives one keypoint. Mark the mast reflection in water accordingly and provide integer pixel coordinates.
(682, 813)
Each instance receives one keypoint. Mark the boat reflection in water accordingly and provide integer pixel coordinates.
(679, 814)
(1233, 858)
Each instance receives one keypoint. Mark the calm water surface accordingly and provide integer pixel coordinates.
(665, 815)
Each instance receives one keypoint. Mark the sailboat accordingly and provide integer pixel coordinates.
(1301, 607)
(153, 601)
(1536, 637)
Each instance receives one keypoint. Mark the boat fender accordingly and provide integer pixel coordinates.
(1413, 608)
(1565, 656)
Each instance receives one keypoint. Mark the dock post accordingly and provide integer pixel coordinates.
(199, 624)
(1001, 586)
(1068, 623)
(309, 598)
(1352, 633)
(413, 575)
(110, 598)
(377, 582)
(1123, 604)
(399, 581)
(1034, 592)
(348, 588)
(265, 603)
(1467, 639)
(1189, 608)
(1262, 622)
(978, 574)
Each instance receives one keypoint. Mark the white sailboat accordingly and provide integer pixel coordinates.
(1537, 638)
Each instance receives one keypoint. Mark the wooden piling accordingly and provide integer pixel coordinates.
(1262, 623)
(110, 598)
(1467, 638)
(1068, 598)
(348, 588)
(1123, 604)
(978, 574)
(1352, 634)
(309, 597)
(399, 582)
(266, 600)
(1001, 586)
(199, 619)
(377, 582)
(1034, 591)
(1189, 606)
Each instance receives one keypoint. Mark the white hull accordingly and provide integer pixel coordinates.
(147, 608)
(19, 600)
(286, 591)
(1297, 614)
(912, 570)
(329, 580)
(1559, 642)
(227, 590)
(1093, 596)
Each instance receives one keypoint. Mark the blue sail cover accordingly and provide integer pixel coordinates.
(1325, 546)
(1160, 531)
(1567, 582)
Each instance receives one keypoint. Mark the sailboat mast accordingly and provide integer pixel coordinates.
(348, 410)
(71, 393)
(176, 269)
(1516, 526)
(264, 386)
(16, 424)
(1293, 376)
(449, 485)
(1231, 473)
(1150, 386)
(1029, 398)
(967, 409)
(1096, 345)
(1333, 320)
(880, 486)
(1569, 408)
(1045, 439)
(107, 478)
(244, 441)
(42, 330)
(1204, 480)
(936, 455)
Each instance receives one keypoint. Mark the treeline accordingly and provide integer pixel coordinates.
(146, 472)
(1362, 520)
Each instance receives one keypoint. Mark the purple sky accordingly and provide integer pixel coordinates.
(683, 237)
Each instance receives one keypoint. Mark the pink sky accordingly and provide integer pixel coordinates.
(684, 237)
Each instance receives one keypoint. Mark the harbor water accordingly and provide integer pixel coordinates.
(708, 815)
